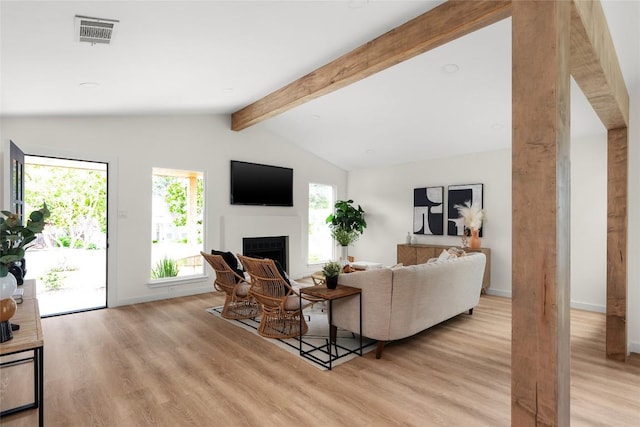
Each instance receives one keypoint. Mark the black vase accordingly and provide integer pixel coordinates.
(19, 270)
(332, 282)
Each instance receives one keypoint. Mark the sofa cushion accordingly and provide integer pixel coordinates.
(427, 294)
(376, 303)
(242, 290)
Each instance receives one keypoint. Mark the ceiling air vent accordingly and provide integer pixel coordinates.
(95, 30)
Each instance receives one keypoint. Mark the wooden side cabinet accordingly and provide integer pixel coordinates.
(420, 253)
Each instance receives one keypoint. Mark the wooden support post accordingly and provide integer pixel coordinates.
(540, 349)
(617, 169)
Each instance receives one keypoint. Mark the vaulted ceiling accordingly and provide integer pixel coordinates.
(215, 57)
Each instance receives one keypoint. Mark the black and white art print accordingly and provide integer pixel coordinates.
(428, 210)
(459, 195)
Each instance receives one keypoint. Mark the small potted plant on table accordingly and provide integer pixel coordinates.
(331, 272)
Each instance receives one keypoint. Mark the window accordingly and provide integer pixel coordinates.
(177, 233)
(321, 200)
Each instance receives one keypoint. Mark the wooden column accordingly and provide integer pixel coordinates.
(617, 167)
(541, 210)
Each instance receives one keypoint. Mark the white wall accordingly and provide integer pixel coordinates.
(589, 223)
(134, 145)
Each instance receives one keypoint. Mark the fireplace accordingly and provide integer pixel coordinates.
(276, 248)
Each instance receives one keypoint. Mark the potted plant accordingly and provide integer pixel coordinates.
(347, 223)
(331, 271)
(14, 238)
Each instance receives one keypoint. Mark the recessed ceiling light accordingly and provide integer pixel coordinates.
(497, 126)
(450, 68)
(315, 116)
(87, 85)
(369, 151)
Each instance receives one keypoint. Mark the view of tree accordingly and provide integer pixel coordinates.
(318, 198)
(177, 230)
(175, 191)
(320, 206)
(77, 200)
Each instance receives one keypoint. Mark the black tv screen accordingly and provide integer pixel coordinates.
(263, 185)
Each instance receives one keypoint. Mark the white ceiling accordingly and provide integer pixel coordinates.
(182, 57)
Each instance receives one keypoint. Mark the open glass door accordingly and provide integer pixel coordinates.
(69, 260)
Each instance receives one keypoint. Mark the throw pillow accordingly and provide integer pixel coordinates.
(444, 256)
(231, 261)
(456, 252)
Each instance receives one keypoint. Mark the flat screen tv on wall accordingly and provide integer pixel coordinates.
(261, 185)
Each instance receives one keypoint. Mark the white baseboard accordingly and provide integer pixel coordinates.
(588, 307)
(634, 347)
(499, 293)
(574, 304)
(173, 294)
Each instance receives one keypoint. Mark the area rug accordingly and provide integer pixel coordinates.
(314, 341)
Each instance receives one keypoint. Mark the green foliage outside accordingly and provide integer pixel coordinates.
(318, 196)
(175, 191)
(166, 267)
(320, 205)
(53, 280)
(77, 199)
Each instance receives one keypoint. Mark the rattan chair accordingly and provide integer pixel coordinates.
(281, 309)
(238, 304)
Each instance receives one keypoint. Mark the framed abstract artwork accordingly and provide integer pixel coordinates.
(428, 210)
(459, 195)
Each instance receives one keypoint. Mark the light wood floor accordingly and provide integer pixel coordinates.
(169, 363)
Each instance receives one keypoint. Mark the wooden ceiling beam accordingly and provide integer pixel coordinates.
(434, 28)
(594, 64)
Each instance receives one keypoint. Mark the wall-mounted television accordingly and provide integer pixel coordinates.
(261, 185)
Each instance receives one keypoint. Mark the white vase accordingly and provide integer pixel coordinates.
(8, 286)
(344, 255)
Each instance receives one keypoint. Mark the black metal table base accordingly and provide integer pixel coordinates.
(326, 347)
(38, 382)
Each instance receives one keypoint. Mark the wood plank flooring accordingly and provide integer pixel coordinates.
(170, 363)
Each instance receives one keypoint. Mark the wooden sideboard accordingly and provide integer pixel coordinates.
(411, 254)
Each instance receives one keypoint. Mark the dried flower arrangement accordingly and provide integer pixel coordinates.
(472, 214)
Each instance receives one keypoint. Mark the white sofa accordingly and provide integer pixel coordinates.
(401, 301)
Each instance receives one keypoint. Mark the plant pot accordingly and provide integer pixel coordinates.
(344, 255)
(331, 282)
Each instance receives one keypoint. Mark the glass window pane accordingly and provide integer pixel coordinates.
(320, 207)
(177, 233)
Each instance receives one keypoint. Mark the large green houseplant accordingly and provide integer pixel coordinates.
(347, 223)
(15, 237)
